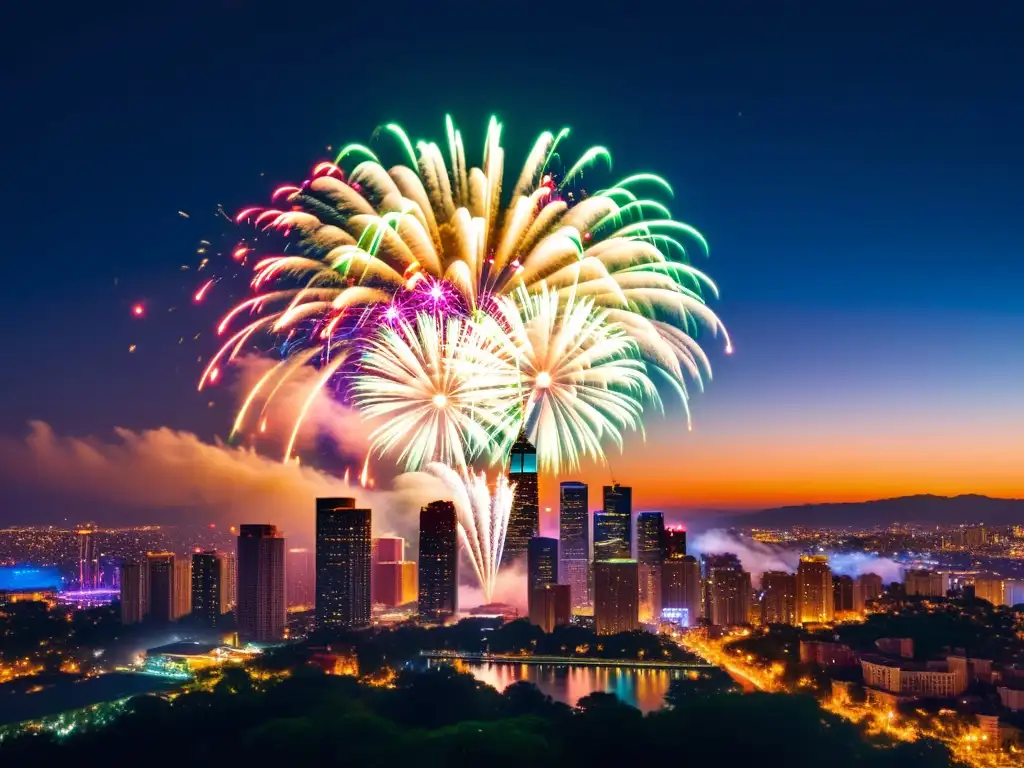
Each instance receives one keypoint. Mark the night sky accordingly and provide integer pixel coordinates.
(858, 176)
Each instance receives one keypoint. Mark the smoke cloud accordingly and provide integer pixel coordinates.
(758, 557)
(509, 589)
(163, 474)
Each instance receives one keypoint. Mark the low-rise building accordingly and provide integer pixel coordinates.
(934, 680)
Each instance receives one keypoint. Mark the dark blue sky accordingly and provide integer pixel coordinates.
(856, 168)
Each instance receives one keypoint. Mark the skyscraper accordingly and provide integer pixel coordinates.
(542, 569)
(727, 590)
(439, 561)
(299, 578)
(160, 581)
(524, 520)
(133, 592)
(618, 502)
(778, 603)
(867, 587)
(611, 536)
(574, 541)
(550, 606)
(650, 551)
(207, 587)
(675, 542)
(681, 590)
(260, 607)
(616, 604)
(842, 594)
(814, 590)
(229, 575)
(88, 560)
(343, 544)
(181, 600)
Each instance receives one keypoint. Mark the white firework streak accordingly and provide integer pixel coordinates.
(482, 518)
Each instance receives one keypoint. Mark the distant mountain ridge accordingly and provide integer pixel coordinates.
(941, 510)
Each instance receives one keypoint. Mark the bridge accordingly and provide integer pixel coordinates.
(576, 661)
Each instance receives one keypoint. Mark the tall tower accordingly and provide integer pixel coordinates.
(134, 605)
(681, 590)
(88, 560)
(727, 590)
(814, 590)
(650, 552)
(574, 541)
(342, 564)
(261, 598)
(616, 604)
(778, 604)
(524, 520)
(439, 561)
(207, 587)
(181, 599)
(160, 582)
(613, 526)
(542, 568)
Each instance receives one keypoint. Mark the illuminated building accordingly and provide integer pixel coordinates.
(611, 537)
(524, 519)
(681, 589)
(394, 584)
(229, 574)
(925, 583)
(388, 549)
(181, 599)
(814, 595)
(439, 561)
(726, 589)
(160, 580)
(260, 607)
(541, 571)
(935, 680)
(975, 537)
(842, 594)
(650, 552)
(616, 593)
(550, 606)
(675, 542)
(778, 599)
(574, 541)
(826, 654)
(617, 509)
(999, 591)
(299, 579)
(133, 593)
(88, 560)
(208, 584)
(866, 587)
(343, 544)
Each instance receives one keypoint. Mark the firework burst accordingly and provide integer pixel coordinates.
(482, 519)
(440, 389)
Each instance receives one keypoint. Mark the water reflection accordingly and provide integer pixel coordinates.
(642, 688)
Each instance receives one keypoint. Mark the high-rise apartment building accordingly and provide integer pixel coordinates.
(181, 600)
(300, 580)
(550, 606)
(778, 598)
(134, 589)
(229, 574)
(815, 597)
(574, 541)
(842, 594)
(650, 552)
(160, 592)
(439, 561)
(343, 544)
(88, 560)
(524, 519)
(925, 583)
(727, 590)
(681, 590)
(866, 587)
(260, 608)
(616, 596)
(208, 582)
(541, 570)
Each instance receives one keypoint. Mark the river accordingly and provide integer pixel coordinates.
(642, 688)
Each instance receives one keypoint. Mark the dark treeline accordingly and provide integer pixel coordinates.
(444, 718)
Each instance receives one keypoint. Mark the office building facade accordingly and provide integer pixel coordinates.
(616, 596)
(550, 606)
(260, 608)
(343, 545)
(574, 542)
(524, 519)
(681, 599)
(439, 561)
